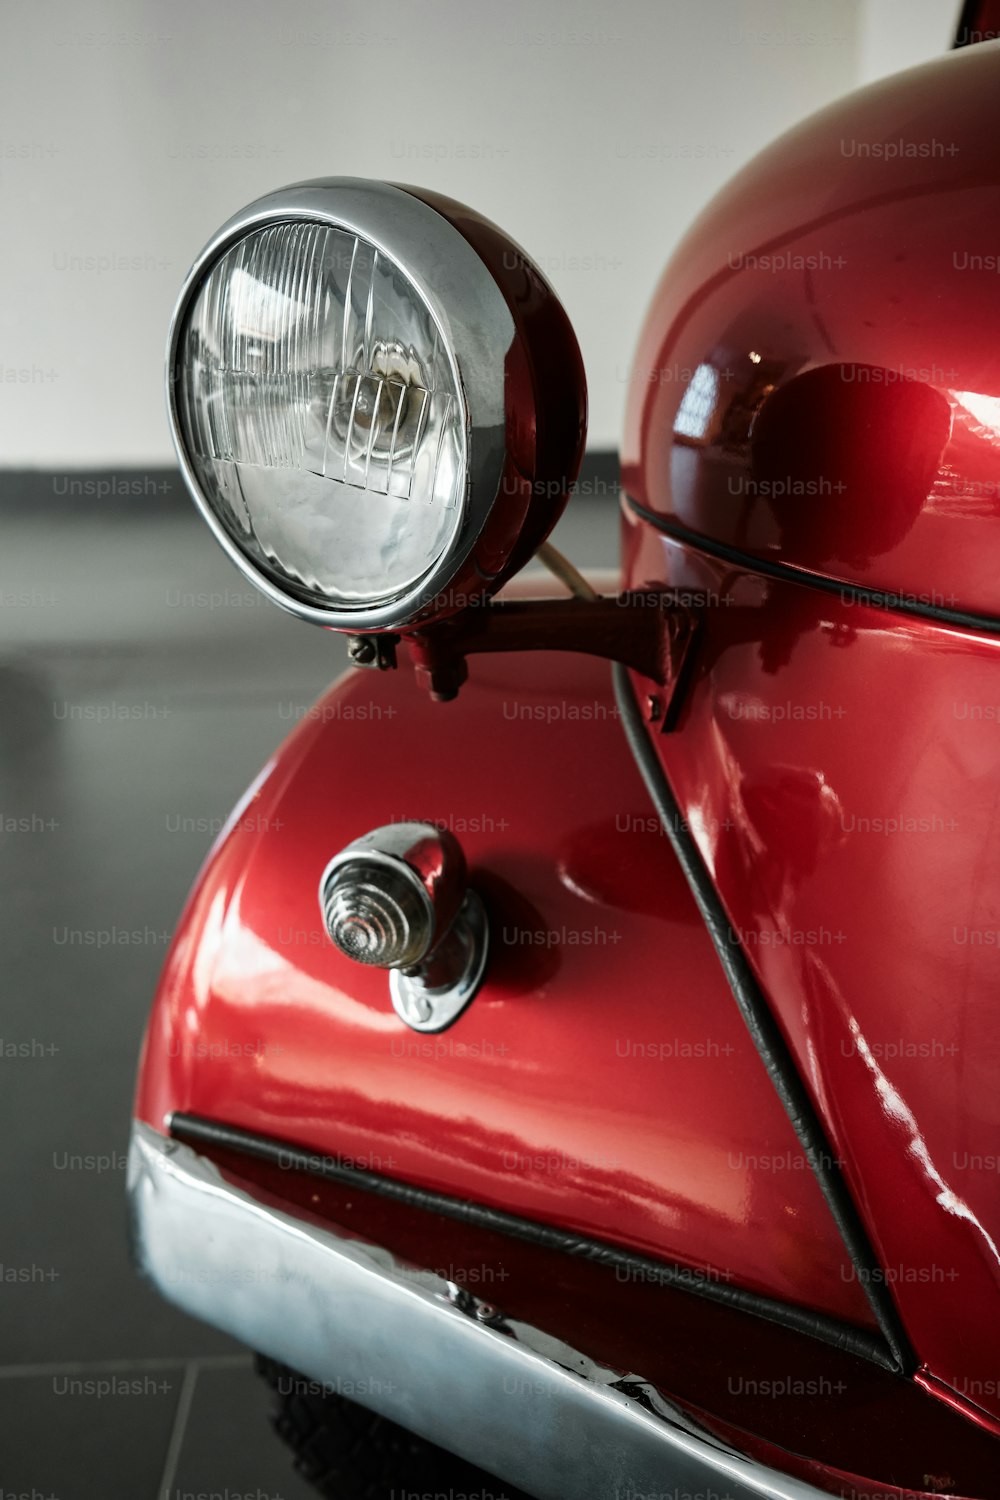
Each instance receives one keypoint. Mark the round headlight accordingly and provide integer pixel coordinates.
(353, 396)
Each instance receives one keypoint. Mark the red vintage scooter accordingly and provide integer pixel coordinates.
(579, 1052)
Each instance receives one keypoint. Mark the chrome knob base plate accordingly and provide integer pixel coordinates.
(432, 995)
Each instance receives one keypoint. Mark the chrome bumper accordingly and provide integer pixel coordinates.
(416, 1348)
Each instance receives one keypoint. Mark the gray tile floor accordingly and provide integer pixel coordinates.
(142, 684)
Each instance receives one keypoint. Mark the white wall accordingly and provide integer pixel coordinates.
(592, 132)
(897, 34)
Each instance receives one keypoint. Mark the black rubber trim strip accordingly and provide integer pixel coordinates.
(198, 1130)
(888, 600)
(767, 1037)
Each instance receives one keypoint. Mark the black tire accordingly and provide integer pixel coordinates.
(348, 1452)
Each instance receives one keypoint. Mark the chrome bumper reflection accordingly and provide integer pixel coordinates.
(416, 1348)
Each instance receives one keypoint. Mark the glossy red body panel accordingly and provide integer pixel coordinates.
(837, 765)
(818, 381)
(818, 386)
(602, 1079)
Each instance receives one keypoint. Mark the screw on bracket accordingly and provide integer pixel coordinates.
(377, 651)
(361, 650)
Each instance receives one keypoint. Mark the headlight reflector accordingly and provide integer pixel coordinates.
(324, 423)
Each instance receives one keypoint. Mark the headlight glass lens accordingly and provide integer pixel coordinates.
(321, 415)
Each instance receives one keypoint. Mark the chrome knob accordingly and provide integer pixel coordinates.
(398, 899)
(377, 915)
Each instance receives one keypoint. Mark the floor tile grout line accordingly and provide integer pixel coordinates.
(176, 1443)
(163, 1362)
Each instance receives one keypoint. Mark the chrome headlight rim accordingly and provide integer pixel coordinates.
(477, 331)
